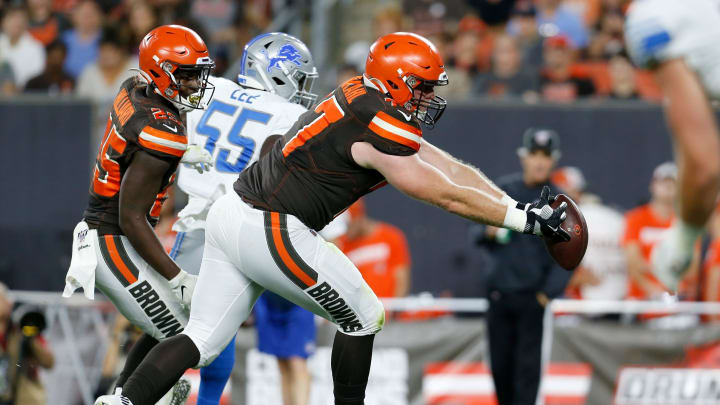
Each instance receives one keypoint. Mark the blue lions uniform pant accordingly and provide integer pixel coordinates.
(284, 329)
(187, 253)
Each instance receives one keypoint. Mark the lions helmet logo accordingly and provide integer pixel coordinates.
(287, 53)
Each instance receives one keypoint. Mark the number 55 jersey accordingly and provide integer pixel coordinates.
(232, 128)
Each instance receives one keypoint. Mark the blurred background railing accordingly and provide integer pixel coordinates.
(433, 350)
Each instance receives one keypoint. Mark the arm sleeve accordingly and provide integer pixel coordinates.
(165, 139)
(650, 31)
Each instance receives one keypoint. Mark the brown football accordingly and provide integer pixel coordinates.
(569, 254)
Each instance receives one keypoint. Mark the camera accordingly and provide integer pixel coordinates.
(31, 320)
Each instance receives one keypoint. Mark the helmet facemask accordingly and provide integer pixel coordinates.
(303, 83)
(196, 98)
(427, 111)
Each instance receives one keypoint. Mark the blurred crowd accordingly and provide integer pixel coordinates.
(88, 46)
(619, 261)
(553, 50)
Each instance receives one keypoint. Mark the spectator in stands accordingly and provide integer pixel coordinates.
(216, 18)
(709, 277)
(6, 362)
(508, 77)
(560, 80)
(287, 332)
(7, 79)
(83, 40)
(386, 20)
(609, 39)
(45, 24)
(602, 275)
(23, 352)
(379, 250)
(100, 79)
(346, 72)
(54, 79)
(141, 19)
(555, 19)
(623, 84)
(523, 27)
(461, 64)
(122, 337)
(24, 54)
(643, 228)
(588, 10)
(522, 280)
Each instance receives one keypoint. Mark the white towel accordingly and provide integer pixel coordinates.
(83, 263)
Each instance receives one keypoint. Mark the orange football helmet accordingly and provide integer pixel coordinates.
(407, 67)
(170, 53)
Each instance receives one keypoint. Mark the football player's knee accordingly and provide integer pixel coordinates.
(379, 316)
(370, 323)
(208, 353)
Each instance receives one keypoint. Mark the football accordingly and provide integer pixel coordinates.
(569, 254)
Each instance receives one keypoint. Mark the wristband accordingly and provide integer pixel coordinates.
(507, 200)
(515, 219)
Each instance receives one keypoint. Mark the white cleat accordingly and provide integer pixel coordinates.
(671, 257)
(114, 399)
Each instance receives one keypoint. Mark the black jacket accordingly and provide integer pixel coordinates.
(522, 264)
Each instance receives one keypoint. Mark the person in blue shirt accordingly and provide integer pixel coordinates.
(83, 40)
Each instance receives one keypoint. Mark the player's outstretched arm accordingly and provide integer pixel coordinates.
(138, 191)
(697, 142)
(423, 181)
(459, 172)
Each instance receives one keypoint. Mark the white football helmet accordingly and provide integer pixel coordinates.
(280, 64)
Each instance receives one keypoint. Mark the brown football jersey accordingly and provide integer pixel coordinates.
(139, 121)
(310, 172)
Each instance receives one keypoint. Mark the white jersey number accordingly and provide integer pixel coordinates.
(223, 161)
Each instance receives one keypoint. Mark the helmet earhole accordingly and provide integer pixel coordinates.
(393, 85)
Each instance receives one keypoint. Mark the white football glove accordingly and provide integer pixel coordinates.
(183, 285)
(198, 158)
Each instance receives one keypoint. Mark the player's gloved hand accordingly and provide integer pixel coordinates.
(198, 158)
(545, 199)
(183, 286)
(543, 220)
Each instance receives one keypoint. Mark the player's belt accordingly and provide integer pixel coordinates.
(283, 252)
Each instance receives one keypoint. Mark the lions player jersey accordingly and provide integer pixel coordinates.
(310, 172)
(660, 30)
(232, 128)
(139, 121)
